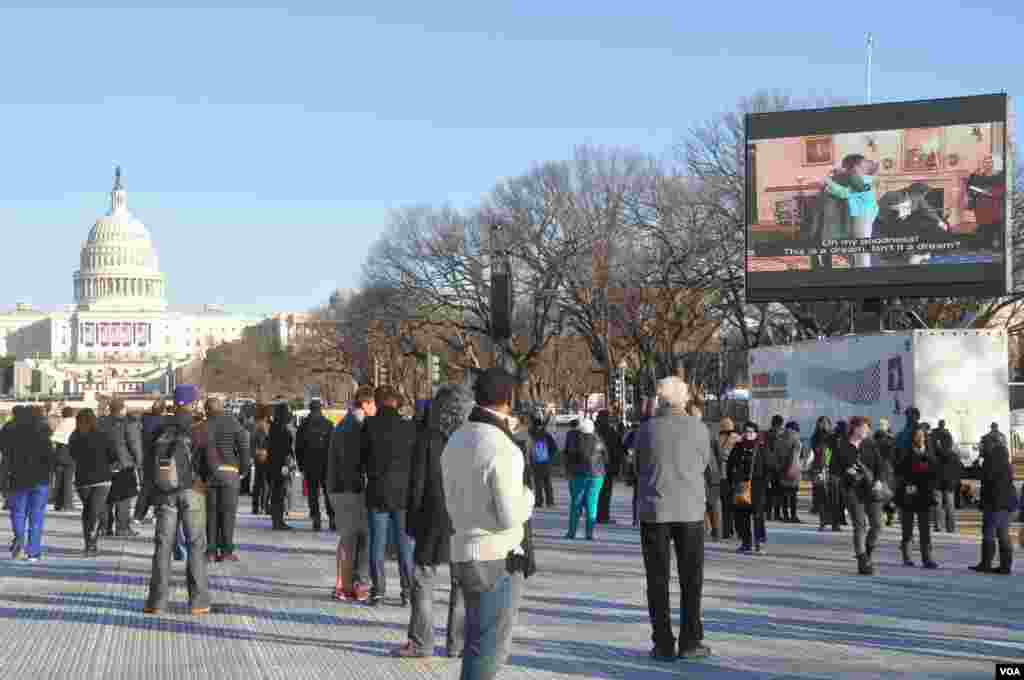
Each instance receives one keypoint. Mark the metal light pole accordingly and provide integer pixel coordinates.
(871, 45)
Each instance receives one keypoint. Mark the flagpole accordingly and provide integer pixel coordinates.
(871, 44)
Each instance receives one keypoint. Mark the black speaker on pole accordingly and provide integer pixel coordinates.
(501, 305)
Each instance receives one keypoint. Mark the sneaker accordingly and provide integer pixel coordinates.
(405, 600)
(18, 552)
(743, 550)
(200, 611)
(375, 600)
(409, 650)
(758, 550)
(361, 592)
(698, 651)
(33, 559)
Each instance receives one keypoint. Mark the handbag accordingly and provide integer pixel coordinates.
(261, 456)
(743, 495)
(881, 492)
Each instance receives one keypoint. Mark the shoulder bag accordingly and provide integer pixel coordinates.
(743, 494)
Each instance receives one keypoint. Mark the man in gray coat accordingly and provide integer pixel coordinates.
(672, 452)
(127, 437)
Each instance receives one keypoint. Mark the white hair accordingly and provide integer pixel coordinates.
(673, 392)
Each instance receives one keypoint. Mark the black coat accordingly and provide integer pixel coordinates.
(997, 492)
(28, 453)
(280, 450)
(427, 521)
(387, 446)
(845, 455)
(918, 469)
(94, 455)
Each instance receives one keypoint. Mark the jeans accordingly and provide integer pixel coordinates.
(28, 511)
(316, 484)
(221, 515)
(64, 476)
(190, 508)
(995, 525)
(866, 516)
(421, 622)
(380, 522)
(542, 484)
(585, 492)
(657, 542)
(923, 525)
(94, 511)
(142, 505)
(492, 608)
(945, 509)
(604, 500)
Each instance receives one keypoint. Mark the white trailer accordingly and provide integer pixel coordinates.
(961, 377)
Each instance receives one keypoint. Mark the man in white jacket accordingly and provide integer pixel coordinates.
(483, 474)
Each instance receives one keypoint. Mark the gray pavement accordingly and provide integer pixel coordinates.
(798, 612)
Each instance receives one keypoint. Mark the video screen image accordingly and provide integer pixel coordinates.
(915, 197)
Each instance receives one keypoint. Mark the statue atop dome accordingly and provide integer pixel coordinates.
(117, 178)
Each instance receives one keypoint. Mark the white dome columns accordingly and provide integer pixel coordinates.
(89, 288)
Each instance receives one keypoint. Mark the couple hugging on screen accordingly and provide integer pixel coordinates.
(848, 208)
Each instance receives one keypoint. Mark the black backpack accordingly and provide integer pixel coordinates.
(318, 434)
(172, 452)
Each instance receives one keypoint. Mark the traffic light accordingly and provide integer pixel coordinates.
(435, 369)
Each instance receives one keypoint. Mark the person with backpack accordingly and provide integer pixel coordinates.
(226, 453)
(94, 456)
(542, 449)
(587, 457)
(173, 482)
(312, 444)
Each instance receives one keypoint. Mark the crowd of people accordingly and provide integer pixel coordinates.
(457, 486)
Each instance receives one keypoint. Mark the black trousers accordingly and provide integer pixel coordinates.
(260, 490)
(119, 514)
(64, 476)
(753, 515)
(221, 515)
(789, 498)
(542, 485)
(278, 488)
(604, 500)
(658, 541)
(728, 518)
(94, 510)
(317, 480)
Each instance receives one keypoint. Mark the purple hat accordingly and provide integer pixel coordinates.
(185, 395)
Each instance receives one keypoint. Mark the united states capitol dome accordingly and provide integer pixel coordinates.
(118, 267)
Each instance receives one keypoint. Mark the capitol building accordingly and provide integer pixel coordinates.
(118, 336)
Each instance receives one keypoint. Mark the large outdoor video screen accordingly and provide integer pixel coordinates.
(891, 200)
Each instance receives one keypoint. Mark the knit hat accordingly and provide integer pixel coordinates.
(184, 395)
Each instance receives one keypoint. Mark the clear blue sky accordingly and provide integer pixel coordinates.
(265, 147)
